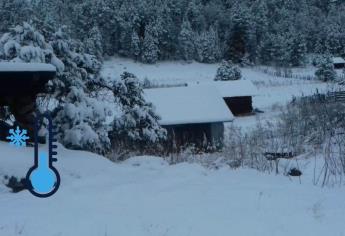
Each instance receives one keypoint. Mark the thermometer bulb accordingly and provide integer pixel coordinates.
(43, 178)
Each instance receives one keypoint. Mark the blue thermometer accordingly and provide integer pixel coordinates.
(43, 180)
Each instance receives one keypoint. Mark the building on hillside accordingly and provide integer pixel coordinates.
(237, 94)
(193, 116)
(338, 62)
(20, 84)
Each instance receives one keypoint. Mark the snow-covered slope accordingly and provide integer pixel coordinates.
(144, 196)
(271, 90)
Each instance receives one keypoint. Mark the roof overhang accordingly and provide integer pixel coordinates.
(20, 79)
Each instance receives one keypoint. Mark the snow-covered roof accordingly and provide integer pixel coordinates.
(26, 67)
(338, 60)
(233, 88)
(189, 105)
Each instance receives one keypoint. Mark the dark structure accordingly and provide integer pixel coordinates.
(338, 62)
(240, 105)
(203, 136)
(238, 95)
(20, 83)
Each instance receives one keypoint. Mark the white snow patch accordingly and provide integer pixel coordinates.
(26, 67)
(189, 105)
(233, 88)
(145, 196)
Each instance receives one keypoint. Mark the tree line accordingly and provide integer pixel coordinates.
(271, 32)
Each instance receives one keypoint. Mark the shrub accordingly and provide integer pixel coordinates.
(228, 71)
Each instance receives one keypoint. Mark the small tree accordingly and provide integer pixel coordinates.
(135, 45)
(138, 128)
(325, 71)
(150, 51)
(228, 71)
(186, 41)
(93, 43)
(207, 46)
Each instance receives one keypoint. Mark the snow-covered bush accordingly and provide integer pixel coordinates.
(228, 71)
(81, 122)
(24, 44)
(326, 71)
(138, 128)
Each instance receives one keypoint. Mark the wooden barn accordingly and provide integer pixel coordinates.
(192, 115)
(20, 83)
(338, 62)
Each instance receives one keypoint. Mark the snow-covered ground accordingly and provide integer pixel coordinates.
(274, 92)
(145, 196)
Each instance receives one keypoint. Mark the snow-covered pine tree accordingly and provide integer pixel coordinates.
(325, 71)
(135, 45)
(167, 31)
(24, 44)
(265, 49)
(13, 13)
(138, 128)
(207, 46)
(186, 41)
(239, 36)
(195, 16)
(78, 116)
(280, 50)
(228, 71)
(297, 50)
(150, 50)
(93, 43)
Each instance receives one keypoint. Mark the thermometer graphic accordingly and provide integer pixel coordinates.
(43, 180)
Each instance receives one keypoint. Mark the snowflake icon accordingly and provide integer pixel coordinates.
(18, 137)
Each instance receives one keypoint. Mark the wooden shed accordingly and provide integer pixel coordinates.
(338, 62)
(192, 116)
(20, 83)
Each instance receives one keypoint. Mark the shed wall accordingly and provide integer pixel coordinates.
(201, 136)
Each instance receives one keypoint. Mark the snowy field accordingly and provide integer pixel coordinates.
(144, 196)
(274, 92)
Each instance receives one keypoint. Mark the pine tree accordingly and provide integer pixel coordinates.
(93, 44)
(228, 71)
(24, 44)
(13, 13)
(239, 35)
(80, 118)
(297, 50)
(135, 45)
(207, 46)
(195, 16)
(186, 41)
(138, 127)
(326, 71)
(150, 52)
